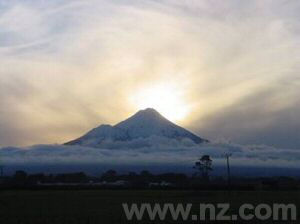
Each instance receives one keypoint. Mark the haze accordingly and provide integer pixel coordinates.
(229, 68)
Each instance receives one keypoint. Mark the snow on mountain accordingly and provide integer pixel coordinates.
(99, 134)
(144, 124)
(149, 122)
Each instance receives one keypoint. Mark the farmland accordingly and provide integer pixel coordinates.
(105, 206)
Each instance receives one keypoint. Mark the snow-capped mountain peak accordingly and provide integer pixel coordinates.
(143, 124)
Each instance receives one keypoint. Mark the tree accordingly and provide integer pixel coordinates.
(20, 177)
(109, 176)
(204, 165)
(1, 169)
(145, 173)
(146, 176)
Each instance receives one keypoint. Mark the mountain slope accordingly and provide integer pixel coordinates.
(143, 124)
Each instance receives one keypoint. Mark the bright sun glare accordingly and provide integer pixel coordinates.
(165, 98)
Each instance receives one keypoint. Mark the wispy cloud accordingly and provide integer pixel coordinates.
(66, 67)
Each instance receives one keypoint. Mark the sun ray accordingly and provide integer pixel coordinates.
(165, 98)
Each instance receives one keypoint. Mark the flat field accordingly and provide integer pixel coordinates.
(105, 206)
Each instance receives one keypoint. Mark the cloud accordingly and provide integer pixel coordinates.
(66, 67)
(156, 152)
(262, 117)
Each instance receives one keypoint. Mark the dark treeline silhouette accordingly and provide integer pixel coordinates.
(21, 177)
(143, 180)
(146, 179)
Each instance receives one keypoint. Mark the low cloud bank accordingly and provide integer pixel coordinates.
(151, 151)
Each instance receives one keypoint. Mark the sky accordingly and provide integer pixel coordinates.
(226, 70)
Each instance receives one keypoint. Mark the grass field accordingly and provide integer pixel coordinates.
(105, 206)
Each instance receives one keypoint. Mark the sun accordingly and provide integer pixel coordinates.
(165, 98)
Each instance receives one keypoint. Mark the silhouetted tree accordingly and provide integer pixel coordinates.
(109, 176)
(20, 177)
(146, 176)
(71, 178)
(204, 165)
(145, 173)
